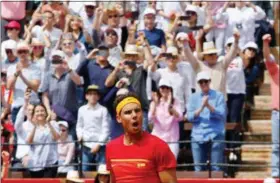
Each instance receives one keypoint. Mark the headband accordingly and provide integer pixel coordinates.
(125, 101)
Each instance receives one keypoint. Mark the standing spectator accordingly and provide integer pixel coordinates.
(165, 112)
(93, 125)
(5, 166)
(10, 50)
(43, 131)
(12, 10)
(207, 112)
(23, 75)
(273, 70)
(242, 17)
(154, 35)
(66, 149)
(13, 29)
(88, 15)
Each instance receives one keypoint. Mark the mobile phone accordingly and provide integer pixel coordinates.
(28, 89)
(56, 61)
(184, 17)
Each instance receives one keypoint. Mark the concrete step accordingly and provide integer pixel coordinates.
(265, 89)
(256, 137)
(266, 77)
(253, 153)
(262, 102)
(253, 175)
(261, 114)
(255, 166)
(259, 126)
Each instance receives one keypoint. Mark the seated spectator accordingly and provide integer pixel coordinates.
(165, 112)
(154, 35)
(93, 125)
(10, 50)
(103, 175)
(21, 76)
(65, 150)
(13, 29)
(42, 157)
(207, 112)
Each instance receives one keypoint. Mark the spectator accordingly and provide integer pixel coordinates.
(93, 125)
(21, 76)
(165, 112)
(273, 70)
(66, 149)
(246, 26)
(43, 131)
(210, 57)
(59, 90)
(10, 50)
(13, 29)
(88, 15)
(154, 35)
(207, 112)
(5, 166)
(103, 175)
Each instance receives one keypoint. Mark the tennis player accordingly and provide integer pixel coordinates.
(137, 156)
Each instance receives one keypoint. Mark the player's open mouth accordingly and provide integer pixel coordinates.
(135, 124)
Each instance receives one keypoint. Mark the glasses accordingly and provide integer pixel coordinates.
(63, 130)
(9, 51)
(12, 29)
(211, 54)
(164, 87)
(170, 57)
(111, 34)
(191, 13)
(38, 47)
(22, 51)
(203, 81)
(111, 16)
(90, 7)
(252, 49)
(68, 44)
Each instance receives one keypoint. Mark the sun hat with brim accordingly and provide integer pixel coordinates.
(191, 8)
(12, 24)
(172, 50)
(23, 46)
(93, 88)
(63, 123)
(203, 76)
(90, 3)
(149, 11)
(74, 176)
(131, 49)
(103, 170)
(164, 82)
(58, 53)
(36, 42)
(209, 48)
(250, 44)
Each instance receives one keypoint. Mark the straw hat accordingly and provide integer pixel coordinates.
(74, 176)
(172, 50)
(131, 49)
(102, 169)
(209, 48)
(36, 42)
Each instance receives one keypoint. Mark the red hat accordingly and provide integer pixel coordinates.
(13, 24)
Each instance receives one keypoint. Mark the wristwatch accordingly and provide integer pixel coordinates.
(16, 74)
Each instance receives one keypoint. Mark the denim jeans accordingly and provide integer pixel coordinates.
(235, 105)
(275, 147)
(89, 157)
(14, 113)
(200, 153)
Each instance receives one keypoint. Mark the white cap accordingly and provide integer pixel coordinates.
(11, 44)
(250, 44)
(173, 50)
(192, 8)
(102, 169)
(23, 46)
(58, 53)
(73, 175)
(181, 35)
(90, 3)
(63, 123)
(203, 75)
(164, 82)
(229, 41)
(149, 11)
(269, 180)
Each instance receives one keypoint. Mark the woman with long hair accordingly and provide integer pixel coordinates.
(165, 111)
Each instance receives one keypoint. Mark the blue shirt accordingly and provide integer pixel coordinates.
(155, 37)
(94, 74)
(208, 124)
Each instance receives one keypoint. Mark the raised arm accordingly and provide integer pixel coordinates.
(233, 50)
(266, 49)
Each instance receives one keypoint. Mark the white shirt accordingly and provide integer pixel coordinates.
(54, 34)
(179, 82)
(185, 67)
(32, 72)
(235, 83)
(93, 125)
(245, 17)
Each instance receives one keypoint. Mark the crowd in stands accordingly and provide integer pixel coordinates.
(64, 63)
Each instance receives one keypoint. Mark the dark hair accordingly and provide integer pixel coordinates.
(36, 105)
(97, 176)
(159, 96)
(121, 97)
(41, 55)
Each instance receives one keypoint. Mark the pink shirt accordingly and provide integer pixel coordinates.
(214, 7)
(13, 10)
(166, 126)
(273, 70)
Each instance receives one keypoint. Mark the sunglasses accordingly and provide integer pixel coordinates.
(190, 13)
(38, 47)
(12, 29)
(111, 34)
(57, 61)
(252, 49)
(164, 87)
(111, 16)
(63, 130)
(68, 44)
(203, 81)
(90, 7)
(169, 56)
(9, 51)
(22, 51)
(212, 54)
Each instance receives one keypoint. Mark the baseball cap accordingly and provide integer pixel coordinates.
(58, 53)
(90, 3)
(203, 76)
(11, 44)
(250, 44)
(22, 46)
(63, 123)
(172, 50)
(13, 24)
(192, 8)
(164, 82)
(149, 11)
(229, 41)
(92, 88)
